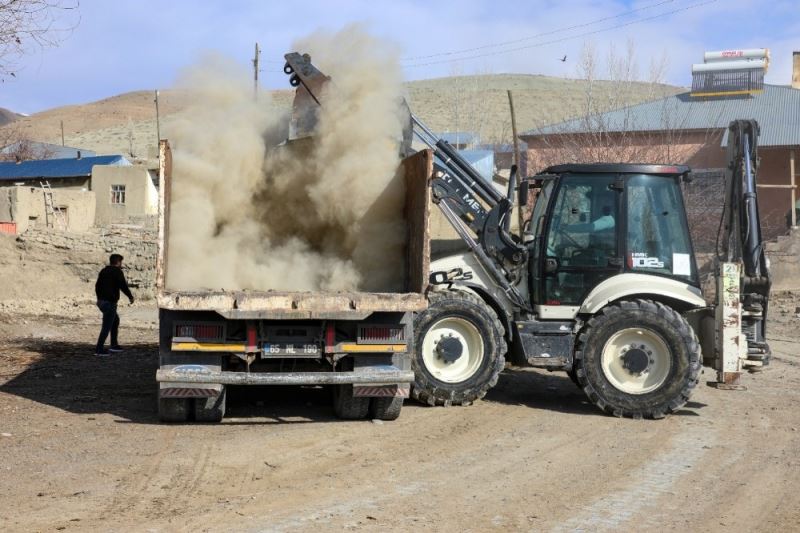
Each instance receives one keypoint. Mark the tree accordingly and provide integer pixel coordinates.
(15, 147)
(27, 24)
(591, 137)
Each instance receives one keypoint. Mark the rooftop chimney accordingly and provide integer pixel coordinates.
(796, 70)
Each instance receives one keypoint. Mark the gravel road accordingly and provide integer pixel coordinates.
(83, 451)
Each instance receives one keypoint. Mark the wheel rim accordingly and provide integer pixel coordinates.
(453, 365)
(636, 360)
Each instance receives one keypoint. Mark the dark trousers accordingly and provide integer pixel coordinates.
(110, 323)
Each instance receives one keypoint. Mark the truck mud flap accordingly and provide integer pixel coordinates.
(188, 390)
(380, 391)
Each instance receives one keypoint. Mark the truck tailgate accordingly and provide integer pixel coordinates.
(291, 305)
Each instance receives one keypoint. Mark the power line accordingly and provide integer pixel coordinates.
(538, 35)
(553, 41)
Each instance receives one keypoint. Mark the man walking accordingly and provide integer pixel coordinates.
(109, 283)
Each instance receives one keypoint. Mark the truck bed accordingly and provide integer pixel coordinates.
(352, 305)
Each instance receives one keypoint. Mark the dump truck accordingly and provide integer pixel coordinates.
(358, 343)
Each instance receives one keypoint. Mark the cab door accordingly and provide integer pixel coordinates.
(581, 246)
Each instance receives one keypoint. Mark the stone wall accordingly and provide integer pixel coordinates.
(86, 253)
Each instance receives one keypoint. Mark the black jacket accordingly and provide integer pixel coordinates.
(110, 281)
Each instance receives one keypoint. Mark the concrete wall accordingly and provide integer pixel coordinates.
(26, 207)
(141, 196)
(784, 257)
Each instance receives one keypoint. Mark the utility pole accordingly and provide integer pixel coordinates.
(515, 145)
(62, 133)
(255, 72)
(158, 123)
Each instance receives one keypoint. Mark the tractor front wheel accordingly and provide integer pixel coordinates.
(638, 359)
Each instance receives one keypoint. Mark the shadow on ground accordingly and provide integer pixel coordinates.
(65, 375)
(553, 391)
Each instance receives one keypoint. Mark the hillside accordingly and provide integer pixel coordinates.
(126, 123)
(7, 116)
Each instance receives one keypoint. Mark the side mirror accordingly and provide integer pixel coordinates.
(523, 193)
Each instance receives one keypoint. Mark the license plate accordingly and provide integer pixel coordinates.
(281, 349)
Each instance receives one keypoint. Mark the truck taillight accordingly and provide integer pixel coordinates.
(381, 334)
(200, 331)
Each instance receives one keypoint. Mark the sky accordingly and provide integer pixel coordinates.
(125, 45)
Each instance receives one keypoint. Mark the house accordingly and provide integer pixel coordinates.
(40, 150)
(76, 193)
(691, 128)
(124, 194)
(70, 173)
(26, 206)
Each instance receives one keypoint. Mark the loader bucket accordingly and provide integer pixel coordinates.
(310, 95)
(310, 84)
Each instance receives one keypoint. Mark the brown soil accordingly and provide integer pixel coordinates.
(84, 450)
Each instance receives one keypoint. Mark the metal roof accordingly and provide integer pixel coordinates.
(51, 151)
(616, 168)
(57, 168)
(460, 137)
(777, 110)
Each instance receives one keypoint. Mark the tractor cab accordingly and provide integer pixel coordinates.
(594, 221)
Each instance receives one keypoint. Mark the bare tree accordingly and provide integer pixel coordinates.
(26, 24)
(15, 147)
(596, 136)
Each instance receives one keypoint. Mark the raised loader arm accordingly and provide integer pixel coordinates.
(479, 213)
(473, 206)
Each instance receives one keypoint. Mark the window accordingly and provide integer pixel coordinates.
(658, 237)
(118, 194)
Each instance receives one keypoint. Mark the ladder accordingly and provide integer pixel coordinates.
(53, 217)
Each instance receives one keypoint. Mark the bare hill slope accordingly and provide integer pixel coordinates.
(126, 123)
(7, 116)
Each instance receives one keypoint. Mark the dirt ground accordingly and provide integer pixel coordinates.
(83, 450)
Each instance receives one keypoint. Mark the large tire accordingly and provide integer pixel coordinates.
(210, 409)
(461, 375)
(174, 410)
(638, 359)
(349, 407)
(385, 408)
(573, 377)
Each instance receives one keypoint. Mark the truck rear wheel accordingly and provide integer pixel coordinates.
(638, 359)
(347, 406)
(210, 409)
(459, 349)
(174, 409)
(385, 408)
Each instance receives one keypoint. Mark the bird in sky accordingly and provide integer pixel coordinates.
(563, 59)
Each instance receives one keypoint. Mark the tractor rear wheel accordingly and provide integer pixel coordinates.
(459, 349)
(638, 359)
